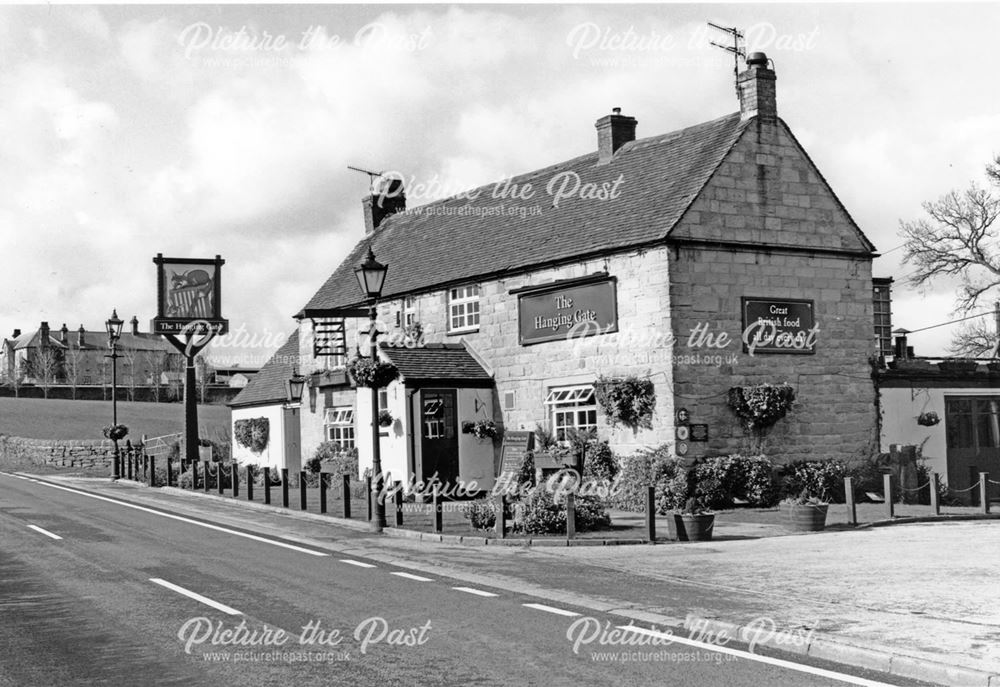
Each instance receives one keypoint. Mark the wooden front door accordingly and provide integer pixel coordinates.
(972, 425)
(439, 434)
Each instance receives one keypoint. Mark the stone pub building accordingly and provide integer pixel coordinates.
(645, 256)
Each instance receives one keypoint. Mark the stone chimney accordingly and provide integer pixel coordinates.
(135, 324)
(388, 197)
(613, 131)
(64, 334)
(17, 333)
(80, 334)
(44, 332)
(901, 350)
(757, 90)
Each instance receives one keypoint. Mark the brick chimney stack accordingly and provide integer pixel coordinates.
(757, 90)
(388, 197)
(135, 324)
(64, 334)
(80, 335)
(17, 333)
(613, 131)
(44, 332)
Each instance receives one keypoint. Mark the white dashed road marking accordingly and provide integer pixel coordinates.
(550, 609)
(45, 532)
(477, 592)
(357, 563)
(197, 597)
(410, 576)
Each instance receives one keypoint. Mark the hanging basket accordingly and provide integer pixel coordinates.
(374, 374)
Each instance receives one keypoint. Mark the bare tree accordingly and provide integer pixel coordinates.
(156, 362)
(74, 360)
(18, 376)
(204, 373)
(129, 355)
(47, 368)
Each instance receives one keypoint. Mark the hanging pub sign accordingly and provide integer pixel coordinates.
(779, 326)
(188, 296)
(567, 309)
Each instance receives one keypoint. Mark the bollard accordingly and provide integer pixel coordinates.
(501, 521)
(206, 473)
(249, 483)
(935, 503)
(218, 479)
(145, 465)
(322, 492)
(570, 516)
(347, 495)
(170, 472)
(368, 490)
(651, 515)
(887, 490)
(234, 474)
(267, 485)
(397, 500)
(152, 471)
(194, 474)
(852, 509)
(302, 489)
(984, 492)
(438, 512)
(128, 460)
(284, 487)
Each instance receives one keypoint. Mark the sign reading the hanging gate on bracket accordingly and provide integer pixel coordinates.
(188, 296)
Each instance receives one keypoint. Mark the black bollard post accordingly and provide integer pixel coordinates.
(368, 490)
(234, 474)
(128, 459)
(152, 471)
(651, 515)
(194, 475)
(347, 495)
(501, 521)
(570, 516)
(322, 492)
(249, 483)
(302, 489)
(284, 487)
(207, 473)
(219, 474)
(438, 513)
(887, 490)
(170, 472)
(852, 509)
(984, 492)
(397, 500)
(935, 502)
(267, 485)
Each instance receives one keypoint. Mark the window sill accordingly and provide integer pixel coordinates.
(458, 332)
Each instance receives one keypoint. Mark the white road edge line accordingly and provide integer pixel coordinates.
(357, 563)
(550, 609)
(45, 532)
(477, 592)
(183, 519)
(411, 576)
(197, 597)
(790, 665)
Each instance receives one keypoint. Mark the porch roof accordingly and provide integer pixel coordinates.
(441, 362)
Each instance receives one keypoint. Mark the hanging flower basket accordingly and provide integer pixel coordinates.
(253, 433)
(384, 418)
(482, 429)
(629, 401)
(958, 365)
(761, 405)
(375, 374)
(116, 432)
(928, 419)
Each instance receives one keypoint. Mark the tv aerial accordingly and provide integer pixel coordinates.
(372, 176)
(738, 49)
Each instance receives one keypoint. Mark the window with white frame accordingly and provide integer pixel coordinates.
(571, 407)
(340, 426)
(463, 308)
(409, 312)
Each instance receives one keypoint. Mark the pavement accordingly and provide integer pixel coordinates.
(917, 601)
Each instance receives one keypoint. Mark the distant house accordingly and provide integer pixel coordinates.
(79, 357)
(235, 377)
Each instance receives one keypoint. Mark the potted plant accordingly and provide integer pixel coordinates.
(928, 419)
(805, 512)
(694, 521)
(958, 365)
(384, 418)
(482, 429)
(116, 432)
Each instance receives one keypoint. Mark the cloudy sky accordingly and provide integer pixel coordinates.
(195, 131)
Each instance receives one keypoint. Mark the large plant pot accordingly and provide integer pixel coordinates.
(686, 527)
(801, 517)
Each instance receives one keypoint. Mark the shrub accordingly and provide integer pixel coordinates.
(601, 462)
(761, 405)
(823, 480)
(540, 513)
(526, 475)
(656, 467)
(722, 479)
(629, 401)
(482, 515)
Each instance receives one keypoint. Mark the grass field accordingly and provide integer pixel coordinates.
(35, 418)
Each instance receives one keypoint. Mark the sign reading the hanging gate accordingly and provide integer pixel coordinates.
(188, 296)
(567, 309)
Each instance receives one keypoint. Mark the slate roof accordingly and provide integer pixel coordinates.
(268, 385)
(92, 340)
(435, 361)
(444, 243)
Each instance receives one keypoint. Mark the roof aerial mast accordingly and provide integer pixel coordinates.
(372, 176)
(738, 49)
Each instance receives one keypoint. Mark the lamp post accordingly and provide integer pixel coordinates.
(114, 328)
(294, 387)
(371, 278)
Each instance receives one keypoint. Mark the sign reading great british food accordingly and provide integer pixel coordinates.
(779, 326)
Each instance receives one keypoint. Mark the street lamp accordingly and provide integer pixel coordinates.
(371, 278)
(294, 387)
(114, 328)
